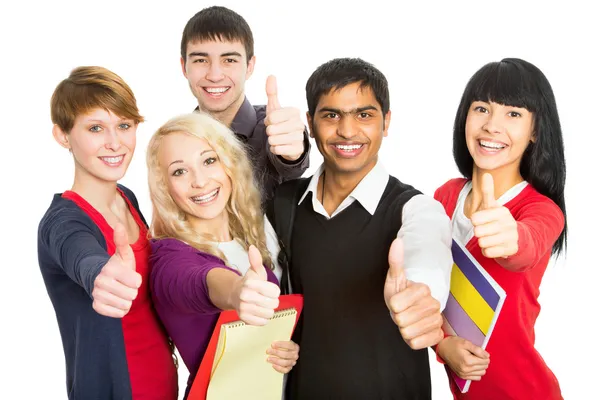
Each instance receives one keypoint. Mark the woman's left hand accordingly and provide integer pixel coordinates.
(283, 355)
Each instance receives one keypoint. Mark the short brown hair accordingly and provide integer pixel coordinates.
(218, 23)
(88, 88)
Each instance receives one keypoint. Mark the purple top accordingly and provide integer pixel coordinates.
(180, 295)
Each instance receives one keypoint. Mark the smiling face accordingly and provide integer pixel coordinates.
(497, 135)
(195, 178)
(348, 127)
(217, 72)
(102, 144)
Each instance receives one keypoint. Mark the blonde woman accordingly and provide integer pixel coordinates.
(212, 248)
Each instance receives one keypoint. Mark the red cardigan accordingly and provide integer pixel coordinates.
(516, 370)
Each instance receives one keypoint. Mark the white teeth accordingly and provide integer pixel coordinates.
(348, 148)
(205, 198)
(112, 160)
(492, 145)
(216, 90)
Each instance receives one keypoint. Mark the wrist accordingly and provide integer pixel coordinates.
(233, 300)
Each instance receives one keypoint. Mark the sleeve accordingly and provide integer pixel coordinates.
(179, 281)
(427, 235)
(74, 248)
(539, 224)
(289, 170)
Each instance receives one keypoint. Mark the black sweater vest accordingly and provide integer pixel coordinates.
(349, 346)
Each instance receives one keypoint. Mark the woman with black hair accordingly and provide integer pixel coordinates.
(509, 212)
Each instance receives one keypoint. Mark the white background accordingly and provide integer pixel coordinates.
(427, 51)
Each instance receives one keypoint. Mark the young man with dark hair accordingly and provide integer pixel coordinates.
(217, 57)
(370, 254)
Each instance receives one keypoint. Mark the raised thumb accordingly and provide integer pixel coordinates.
(256, 263)
(122, 248)
(396, 274)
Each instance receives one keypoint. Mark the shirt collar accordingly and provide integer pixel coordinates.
(368, 192)
(244, 121)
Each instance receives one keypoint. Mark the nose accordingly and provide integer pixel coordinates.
(346, 128)
(494, 123)
(113, 142)
(215, 72)
(200, 179)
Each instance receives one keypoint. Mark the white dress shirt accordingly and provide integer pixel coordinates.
(426, 229)
(237, 256)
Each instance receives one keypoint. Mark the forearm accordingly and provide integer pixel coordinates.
(427, 235)
(537, 231)
(222, 285)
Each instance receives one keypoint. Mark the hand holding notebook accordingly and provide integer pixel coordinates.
(235, 363)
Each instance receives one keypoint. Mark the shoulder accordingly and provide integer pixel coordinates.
(167, 250)
(261, 113)
(396, 186)
(65, 215)
(397, 194)
(291, 186)
(532, 203)
(128, 192)
(450, 188)
(130, 196)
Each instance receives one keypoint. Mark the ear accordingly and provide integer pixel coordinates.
(182, 60)
(309, 121)
(386, 122)
(250, 67)
(61, 137)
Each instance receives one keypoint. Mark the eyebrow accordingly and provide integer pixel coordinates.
(201, 154)
(204, 54)
(87, 121)
(351, 111)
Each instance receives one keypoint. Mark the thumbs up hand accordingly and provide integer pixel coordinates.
(411, 305)
(116, 286)
(494, 225)
(255, 298)
(285, 129)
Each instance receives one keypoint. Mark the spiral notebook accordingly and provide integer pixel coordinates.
(240, 368)
(235, 364)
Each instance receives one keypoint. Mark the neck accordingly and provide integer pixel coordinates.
(102, 195)
(217, 228)
(334, 185)
(226, 116)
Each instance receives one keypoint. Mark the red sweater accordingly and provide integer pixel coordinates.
(152, 371)
(516, 370)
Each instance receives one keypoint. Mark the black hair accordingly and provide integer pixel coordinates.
(218, 23)
(518, 83)
(341, 72)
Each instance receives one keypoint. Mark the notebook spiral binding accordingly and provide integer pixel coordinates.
(278, 314)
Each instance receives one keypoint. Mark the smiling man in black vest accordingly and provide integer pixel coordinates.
(371, 308)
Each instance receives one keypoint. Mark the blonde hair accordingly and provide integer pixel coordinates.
(88, 88)
(246, 220)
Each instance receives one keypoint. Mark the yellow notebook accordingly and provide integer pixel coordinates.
(240, 368)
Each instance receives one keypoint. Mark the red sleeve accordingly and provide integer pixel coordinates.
(539, 224)
(435, 348)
